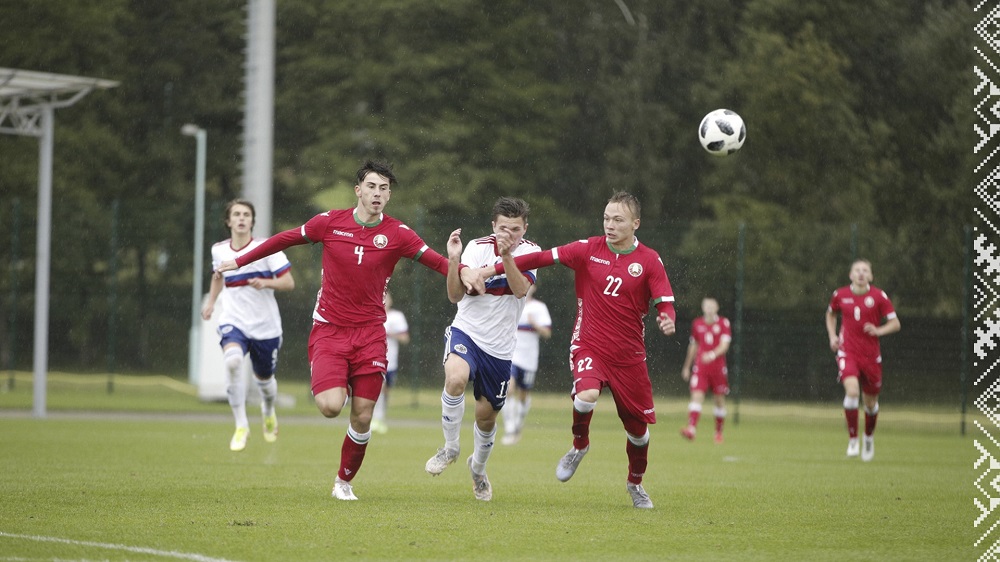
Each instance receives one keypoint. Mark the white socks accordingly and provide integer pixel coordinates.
(379, 413)
(483, 446)
(268, 392)
(583, 407)
(511, 415)
(237, 389)
(452, 411)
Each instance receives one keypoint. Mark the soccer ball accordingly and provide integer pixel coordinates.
(722, 132)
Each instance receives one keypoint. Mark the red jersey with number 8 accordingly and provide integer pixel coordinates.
(856, 311)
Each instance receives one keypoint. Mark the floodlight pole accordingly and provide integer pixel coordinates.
(194, 346)
(28, 101)
(43, 261)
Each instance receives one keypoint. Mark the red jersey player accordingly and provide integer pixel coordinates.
(862, 307)
(616, 278)
(347, 345)
(705, 366)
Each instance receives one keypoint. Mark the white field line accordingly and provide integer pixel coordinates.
(110, 546)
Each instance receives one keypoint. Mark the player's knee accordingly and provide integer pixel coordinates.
(328, 407)
(589, 395)
(233, 359)
(851, 402)
(639, 439)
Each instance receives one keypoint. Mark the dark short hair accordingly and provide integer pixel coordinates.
(511, 207)
(245, 203)
(380, 167)
(630, 201)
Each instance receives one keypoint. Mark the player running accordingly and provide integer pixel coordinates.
(534, 325)
(862, 307)
(705, 366)
(616, 278)
(479, 343)
(347, 345)
(250, 321)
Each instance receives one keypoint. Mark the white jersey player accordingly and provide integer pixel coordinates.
(249, 321)
(535, 324)
(397, 332)
(479, 343)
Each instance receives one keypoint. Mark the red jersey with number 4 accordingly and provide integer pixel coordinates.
(358, 260)
(856, 311)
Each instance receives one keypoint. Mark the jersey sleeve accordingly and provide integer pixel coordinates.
(659, 288)
(834, 305)
(216, 258)
(727, 329)
(885, 306)
(278, 264)
(274, 244)
(542, 316)
(529, 262)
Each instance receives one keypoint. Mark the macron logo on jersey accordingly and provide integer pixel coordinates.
(600, 261)
(342, 233)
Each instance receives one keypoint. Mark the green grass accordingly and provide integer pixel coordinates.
(148, 467)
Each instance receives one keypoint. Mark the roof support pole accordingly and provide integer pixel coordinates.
(43, 259)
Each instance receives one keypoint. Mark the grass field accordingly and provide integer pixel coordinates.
(145, 474)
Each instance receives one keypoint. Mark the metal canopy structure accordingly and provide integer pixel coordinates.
(28, 101)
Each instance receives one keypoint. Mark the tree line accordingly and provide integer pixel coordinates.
(859, 130)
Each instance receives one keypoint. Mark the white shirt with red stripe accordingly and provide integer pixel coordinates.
(491, 319)
(253, 311)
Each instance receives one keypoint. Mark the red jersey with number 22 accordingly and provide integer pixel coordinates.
(613, 293)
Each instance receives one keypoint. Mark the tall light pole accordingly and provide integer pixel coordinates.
(194, 345)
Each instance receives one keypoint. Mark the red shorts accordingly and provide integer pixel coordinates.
(352, 358)
(712, 376)
(868, 371)
(629, 385)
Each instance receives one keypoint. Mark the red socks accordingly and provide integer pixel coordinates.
(581, 429)
(352, 454)
(852, 422)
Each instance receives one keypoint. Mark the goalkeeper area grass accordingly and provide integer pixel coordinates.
(145, 473)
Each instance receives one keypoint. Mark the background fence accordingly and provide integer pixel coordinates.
(780, 351)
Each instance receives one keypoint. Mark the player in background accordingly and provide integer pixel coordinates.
(862, 308)
(534, 325)
(479, 343)
(397, 332)
(250, 321)
(705, 366)
(347, 345)
(616, 279)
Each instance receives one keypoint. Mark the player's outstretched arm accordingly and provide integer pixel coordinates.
(528, 262)
(273, 245)
(456, 289)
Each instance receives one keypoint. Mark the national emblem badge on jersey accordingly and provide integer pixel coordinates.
(380, 241)
(635, 269)
(869, 302)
